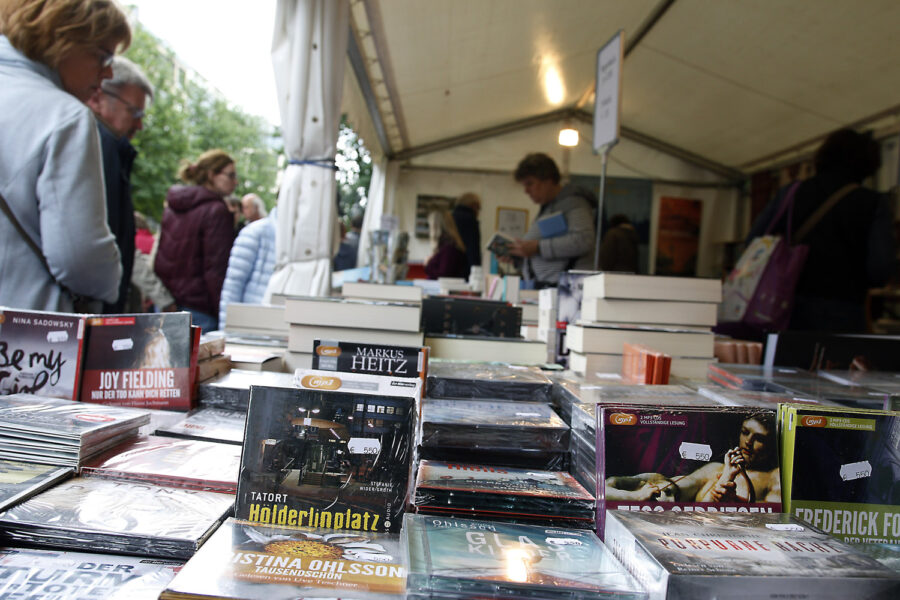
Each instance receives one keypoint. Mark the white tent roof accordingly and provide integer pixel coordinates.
(730, 85)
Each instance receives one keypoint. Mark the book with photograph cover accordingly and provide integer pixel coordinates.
(730, 555)
(103, 515)
(455, 558)
(56, 574)
(374, 359)
(209, 424)
(189, 464)
(713, 459)
(251, 561)
(40, 353)
(842, 471)
(140, 360)
(22, 480)
(329, 459)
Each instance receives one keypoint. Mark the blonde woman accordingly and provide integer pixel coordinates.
(196, 235)
(448, 253)
(54, 239)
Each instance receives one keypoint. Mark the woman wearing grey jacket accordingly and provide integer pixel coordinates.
(53, 56)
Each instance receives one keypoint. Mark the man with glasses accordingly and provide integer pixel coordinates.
(119, 107)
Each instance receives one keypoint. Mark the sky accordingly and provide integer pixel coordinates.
(228, 42)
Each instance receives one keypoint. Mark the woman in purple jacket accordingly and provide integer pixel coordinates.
(196, 235)
(448, 253)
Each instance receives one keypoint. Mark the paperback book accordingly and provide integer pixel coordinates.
(141, 360)
(759, 556)
(329, 459)
(250, 561)
(40, 353)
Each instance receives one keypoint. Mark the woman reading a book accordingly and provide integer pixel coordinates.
(448, 253)
(54, 238)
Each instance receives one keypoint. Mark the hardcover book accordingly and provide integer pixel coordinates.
(652, 287)
(140, 360)
(301, 337)
(329, 459)
(345, 312)
(447, 379)
(40, 353)
(757, 556)
(57, 574)
(250, 561)
(842, 471)
(232, 390)
(375, 359)
(471, 316)
(714, 459)
(454, 558)
(21, 480)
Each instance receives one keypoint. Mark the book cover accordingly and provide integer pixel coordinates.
(55, 574)
(714, 459)
(353, 313)
(375, 359)
(232, 390)
(471, 316)
(141, 360)
(494, 559)
(21, 480)
(250, 561)
(40, 353)
(500, 243)
(759, 556)
(210, 424)
(486, 479)
(845, 472)
(552, 225)
(330, 459)
(448, 379)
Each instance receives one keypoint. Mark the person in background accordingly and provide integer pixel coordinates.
(253, 208)
(250, 265)
(196, 235)
(619, 248)
(851, 248)
(119, 108)
(236, 208)
(448, 256)
(547, 257)
(55, 241)
(465, 215)
(347, 252)
(148, 291)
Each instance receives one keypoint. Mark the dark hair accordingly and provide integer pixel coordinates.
(617, 220)
(539, 166)
(356, 221)
(845, 151)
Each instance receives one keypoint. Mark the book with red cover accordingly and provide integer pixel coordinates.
(140, 360)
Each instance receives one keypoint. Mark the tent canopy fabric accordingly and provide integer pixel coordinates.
(738, 84)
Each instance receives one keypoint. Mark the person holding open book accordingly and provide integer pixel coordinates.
(562, 237)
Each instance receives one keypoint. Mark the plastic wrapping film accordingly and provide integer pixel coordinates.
(502, 492)
(719, 555)
(448, 379)
(210, 424)
(730, 397)
(519, 459)
(81, 575)
(117, 516)
(232, 390)
(21, 480)
(263, 562)
(886, 554)
(461, 558)
(484, 424)
(188, 464)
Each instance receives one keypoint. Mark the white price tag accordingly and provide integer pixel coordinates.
(856, 470)
(364, 446)
(57, 337)
(785, 527)
(564, 542)
(528, 414)
(123, 344)
(691, 451)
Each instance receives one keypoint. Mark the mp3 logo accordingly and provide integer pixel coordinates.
(622, 419)
(319, 382)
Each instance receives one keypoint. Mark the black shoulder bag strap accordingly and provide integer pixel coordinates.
(814, 218)
(77, 301)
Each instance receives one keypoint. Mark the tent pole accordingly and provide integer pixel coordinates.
(600, 208)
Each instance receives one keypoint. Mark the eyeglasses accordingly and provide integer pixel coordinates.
(231, 175)
(136, 113)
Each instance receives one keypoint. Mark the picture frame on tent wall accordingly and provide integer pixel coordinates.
(512, 221)
(425, 203)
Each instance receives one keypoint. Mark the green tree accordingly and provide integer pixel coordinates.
(354, 174)
(185, 118)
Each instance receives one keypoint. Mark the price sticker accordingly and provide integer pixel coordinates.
(690, 451)
(856, 470)
(57, 337)
(122, 344)
(364, 446)
(785, 527)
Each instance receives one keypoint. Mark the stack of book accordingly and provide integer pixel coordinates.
(232, 390)
(547, 310)
(102, 515)
(682, 555)
(379, 291)
(348, 320)
(453, 558)
(62, 432)
(212, 361)
(251, 560)
(448, 379)
(210, 425)
(255, 319)
(641, 364)
(673, 315)
(502, 433)
(549, 498)
(189, 464)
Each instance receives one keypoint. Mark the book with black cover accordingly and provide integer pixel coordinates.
(232, 390)
(471, 316)
(140, 360)
(447, 379)
(375, 359)
(40, 353)
(329, 459)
